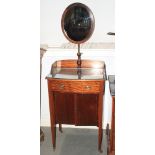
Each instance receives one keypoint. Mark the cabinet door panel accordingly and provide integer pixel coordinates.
(64, 106)
(87, 109)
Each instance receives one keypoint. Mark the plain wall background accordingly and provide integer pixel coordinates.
(50, 20)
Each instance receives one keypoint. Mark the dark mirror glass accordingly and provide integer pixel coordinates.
(78, 23)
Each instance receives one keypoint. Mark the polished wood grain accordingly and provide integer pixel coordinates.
(64, 108)
(86, 110)
(75, 86)
(52, 114)
(112, 153)
(100, 111)
(77, 102)
(112, 132)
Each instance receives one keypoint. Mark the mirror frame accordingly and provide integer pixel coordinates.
(92, 23)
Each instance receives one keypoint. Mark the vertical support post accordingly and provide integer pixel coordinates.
(79, 63)
(100, 111)
(52, 117)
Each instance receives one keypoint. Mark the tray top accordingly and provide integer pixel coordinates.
(73, 73)
(67, 69)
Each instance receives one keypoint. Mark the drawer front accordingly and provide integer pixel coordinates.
(90, 86)
(80, 86)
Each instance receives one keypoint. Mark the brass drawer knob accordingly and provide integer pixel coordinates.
(87, 87)
(61, 86)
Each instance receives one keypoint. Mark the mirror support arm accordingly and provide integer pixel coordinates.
(79, 62)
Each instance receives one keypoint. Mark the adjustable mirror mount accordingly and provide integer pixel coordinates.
(77, 25)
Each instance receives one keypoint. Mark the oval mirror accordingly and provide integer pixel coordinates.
(77, 23)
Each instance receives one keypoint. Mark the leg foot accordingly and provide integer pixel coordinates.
(60, 128)
(100, 150)
(100, 140)
(41, 136)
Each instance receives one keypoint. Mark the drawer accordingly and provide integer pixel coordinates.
(90, 86)
(74, 86)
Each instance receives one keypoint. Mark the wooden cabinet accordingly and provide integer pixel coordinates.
(74, 99)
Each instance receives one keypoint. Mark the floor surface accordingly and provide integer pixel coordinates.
(73, 142)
